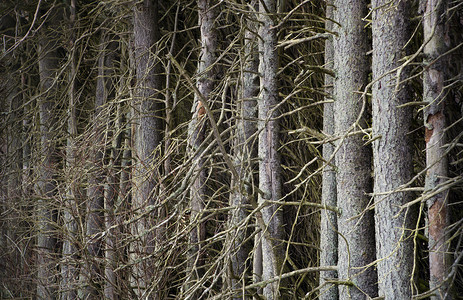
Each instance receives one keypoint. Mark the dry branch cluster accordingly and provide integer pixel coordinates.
(231, 149)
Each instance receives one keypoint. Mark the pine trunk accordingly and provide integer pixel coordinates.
(392, 149)
(269, 158)
(46, 187)
(147, 137)
(207, 74)
(245, 151)
(329, 222)
(355, 223)
(434, 94)
(69, 271)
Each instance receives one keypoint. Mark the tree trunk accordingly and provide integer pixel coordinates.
(269, 166)
(69, 272)
(392, 149)
(207, 75)
(14, 192)
(434, 94)
(111, 188)
(329, 227)
(97, 181)
(355, 223)
(147, 138)
(46, 238)
(245, 151)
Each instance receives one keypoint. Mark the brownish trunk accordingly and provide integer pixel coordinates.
(147, 138)
(434, 94)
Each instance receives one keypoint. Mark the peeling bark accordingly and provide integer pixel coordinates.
(434, 94)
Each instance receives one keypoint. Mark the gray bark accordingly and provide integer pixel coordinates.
(269, 158)
(434, 76)
(392, 150)
(328, 231)
(356, 248)
(46, 187)
(207, 75)
(245, 152)
(147, 138)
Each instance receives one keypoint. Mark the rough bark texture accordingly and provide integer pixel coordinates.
(392, 150)
(269, 166)
(436, 160)
(207, 75)
(328, 234)
(356, 248)
(245, 151)
(147, 138)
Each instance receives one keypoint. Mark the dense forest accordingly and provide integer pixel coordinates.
(231, 149)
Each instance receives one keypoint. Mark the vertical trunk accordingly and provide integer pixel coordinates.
(207, 74)
(112, 181)
(96, 191)
(269, 167)
(434, 94)
(355, 223)
(111, 191)
(147, 139)
(392, 150)
(245, 151)
(46, 238)
(328, 235)
(68, 266)
(13, 165)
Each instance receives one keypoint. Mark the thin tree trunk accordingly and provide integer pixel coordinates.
(96, 191)
(112, 178)
(111, 191)
(245, 151)
(269, 159)
(329, 227)
(434, 94)
(355, 223)
(69, 271)
(392, 149)
(14, 154)
(46, 238)
(147, 139)
(207, 75)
